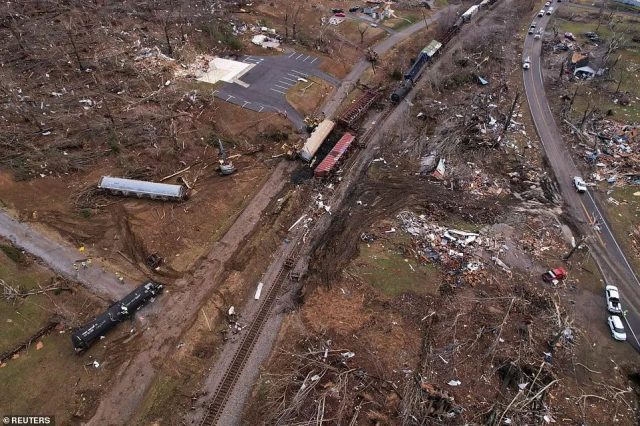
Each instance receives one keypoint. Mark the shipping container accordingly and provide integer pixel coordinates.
(315, 140)
(140, 188)
(331, 160)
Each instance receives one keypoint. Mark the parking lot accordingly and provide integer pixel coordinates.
(264, 87)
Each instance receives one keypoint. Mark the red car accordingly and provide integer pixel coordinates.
(555, 275)
(339, 14)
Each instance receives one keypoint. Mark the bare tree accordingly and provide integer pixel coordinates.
(73, 44)
(295, 20)
(362, 28)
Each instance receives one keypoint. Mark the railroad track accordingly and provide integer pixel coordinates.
(225, 388)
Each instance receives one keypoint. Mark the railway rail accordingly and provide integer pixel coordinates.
(231, 376)
(226, 385)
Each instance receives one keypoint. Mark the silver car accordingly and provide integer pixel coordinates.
(579, 183)
(617, 328)
(613, 299)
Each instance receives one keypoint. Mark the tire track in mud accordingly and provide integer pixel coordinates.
(383, 198)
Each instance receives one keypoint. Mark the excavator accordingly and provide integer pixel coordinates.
(226, 167)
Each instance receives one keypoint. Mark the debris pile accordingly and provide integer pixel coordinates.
(455, 250)
(322, 380)
(612, 149)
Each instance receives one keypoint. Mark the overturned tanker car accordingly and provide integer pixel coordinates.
(118, 312)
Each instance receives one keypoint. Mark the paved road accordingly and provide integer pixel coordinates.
(268, 81)
(61, 257)
(584, 208)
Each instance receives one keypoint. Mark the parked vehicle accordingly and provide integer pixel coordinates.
(339, 14)
(527, 63)
(549, 11)
(613, 299)
(538, 35)
(547, 4)
(337, 10)
(541, 13)
(532, 28)
(354, 9)
(554, 275)
(617, 328)
(580, 185)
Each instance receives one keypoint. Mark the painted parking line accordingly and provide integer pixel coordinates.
(298, 57)
(293, 80)
(277, 90)
(286, 83)
(314, 59)
(214, 92)
(293, 54)
(261, 108)
(245, 104)
(280, 87)
(229, 97)
(307, 58)
(300, 73)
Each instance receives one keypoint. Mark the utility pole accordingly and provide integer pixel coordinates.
(513, 107)
(574, 248)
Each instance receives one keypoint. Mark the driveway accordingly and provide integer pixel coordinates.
(263, 88)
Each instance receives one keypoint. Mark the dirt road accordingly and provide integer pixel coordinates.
(61, 258)
(584, 208)
(178, 309)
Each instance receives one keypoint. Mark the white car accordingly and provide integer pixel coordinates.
(617, 328)
(527, 63)
(547, 4)
(549, 11)
(538, 35)
(541, 13)
(579, 183)
(613, 299)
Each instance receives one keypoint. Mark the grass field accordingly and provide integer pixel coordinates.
(388, 271)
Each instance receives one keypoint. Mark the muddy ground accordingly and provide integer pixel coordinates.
(391, 333)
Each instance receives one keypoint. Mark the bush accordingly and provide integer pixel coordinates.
(396, 74)
(13, 253)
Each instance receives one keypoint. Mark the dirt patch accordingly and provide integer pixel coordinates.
(308, 97)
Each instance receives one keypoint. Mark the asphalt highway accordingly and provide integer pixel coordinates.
(584, 208)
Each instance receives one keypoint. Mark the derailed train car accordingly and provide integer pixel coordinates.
(142, 189)
(433, 49)
(120, 311)
(412, 75)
